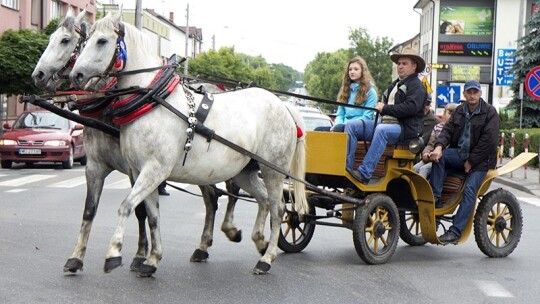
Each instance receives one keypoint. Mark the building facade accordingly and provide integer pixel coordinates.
(472, 39)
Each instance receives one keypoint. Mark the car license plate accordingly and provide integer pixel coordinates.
(30, 151)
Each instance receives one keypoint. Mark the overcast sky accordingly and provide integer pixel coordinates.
(291, 32)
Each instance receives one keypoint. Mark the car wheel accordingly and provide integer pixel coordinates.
(410, 231)
(69, 163)
(83, 160)
(296, 231)
(6, 164)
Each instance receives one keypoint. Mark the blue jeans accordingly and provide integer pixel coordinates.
(450, 160)
(384, 134)
(337, 128)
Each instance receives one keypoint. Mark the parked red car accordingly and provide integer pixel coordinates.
(42, 136)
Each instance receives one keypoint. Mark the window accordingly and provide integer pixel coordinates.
(56, 9)
(14, 4)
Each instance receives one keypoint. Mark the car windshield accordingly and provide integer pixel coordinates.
(41, 120)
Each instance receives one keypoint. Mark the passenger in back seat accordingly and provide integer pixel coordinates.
(467, 143)
(402, 113)
(357, 88)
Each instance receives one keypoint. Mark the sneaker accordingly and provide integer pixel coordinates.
(449, 237)
(359, 177)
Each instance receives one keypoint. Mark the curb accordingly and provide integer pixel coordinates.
(515, 185)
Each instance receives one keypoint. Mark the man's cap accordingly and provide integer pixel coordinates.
(411, 53)
(472, 84)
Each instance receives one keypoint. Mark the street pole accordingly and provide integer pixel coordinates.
(138, 14)
(187, 41)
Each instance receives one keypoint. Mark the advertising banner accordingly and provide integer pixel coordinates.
(505, 61)
(461, 20)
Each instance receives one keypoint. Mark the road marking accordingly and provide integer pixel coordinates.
(17, 182)
(493, 289)
(121, 184)
(530, 200)
(16, 190)
(70, 183)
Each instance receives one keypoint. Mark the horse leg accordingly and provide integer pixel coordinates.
(228, 226)
(210, 198)
(146, 183)
(250, 181)
(274, 187)
(95, 178)
(142, 248)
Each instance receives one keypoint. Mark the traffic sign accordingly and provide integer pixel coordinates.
(532, 83)
(427, 70)
(448, 94)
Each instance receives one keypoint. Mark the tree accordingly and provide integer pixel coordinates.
(226, 64)
(528, 57)
(19, 53)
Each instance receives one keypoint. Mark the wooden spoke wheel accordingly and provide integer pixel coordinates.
(498, 223)
(410, 231)
(376, 229)
(296, 230)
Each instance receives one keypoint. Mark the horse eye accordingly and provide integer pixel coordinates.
(102, 41)
(65, 40)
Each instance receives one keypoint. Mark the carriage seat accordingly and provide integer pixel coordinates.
(391, 151)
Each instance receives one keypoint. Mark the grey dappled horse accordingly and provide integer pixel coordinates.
(104, 155)
(154, 144)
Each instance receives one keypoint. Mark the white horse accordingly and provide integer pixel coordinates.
(155, 144)
(104, 156)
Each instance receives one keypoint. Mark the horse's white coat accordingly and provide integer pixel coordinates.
(153, 144)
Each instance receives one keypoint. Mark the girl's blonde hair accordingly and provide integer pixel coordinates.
(365, 81)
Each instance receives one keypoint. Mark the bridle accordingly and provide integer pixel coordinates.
(78, 47)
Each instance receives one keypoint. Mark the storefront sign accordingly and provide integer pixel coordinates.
(505, 60)
(465, 49)
(465, 72)
(465, 20)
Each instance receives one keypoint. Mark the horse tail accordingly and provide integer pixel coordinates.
(298, 166)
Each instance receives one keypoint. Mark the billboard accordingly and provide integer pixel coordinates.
(466, 20)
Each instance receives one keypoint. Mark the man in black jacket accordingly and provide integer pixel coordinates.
(467, 143)
(402, 112)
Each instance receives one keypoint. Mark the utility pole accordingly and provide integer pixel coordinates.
(187, 41)
(138, 14)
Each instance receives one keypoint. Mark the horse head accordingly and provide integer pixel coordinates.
(64, 46)
(106, 53)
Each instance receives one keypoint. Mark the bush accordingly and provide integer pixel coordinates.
(519, 142)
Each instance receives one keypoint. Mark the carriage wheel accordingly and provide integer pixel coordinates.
(498, 223)
(295, 233)
(410, 231)
(376, 229)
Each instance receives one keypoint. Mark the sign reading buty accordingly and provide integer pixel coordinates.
(505, 60)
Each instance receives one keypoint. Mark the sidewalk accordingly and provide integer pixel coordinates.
(526, 180)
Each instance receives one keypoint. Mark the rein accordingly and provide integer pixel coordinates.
(82, 41)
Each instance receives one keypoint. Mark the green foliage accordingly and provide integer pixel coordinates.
(51, 27)
(324, 74)
(528, 57)
(519, 142)
(19, 53)
(225, 63)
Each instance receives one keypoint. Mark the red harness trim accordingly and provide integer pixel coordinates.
(96, 114)
(122, 102)
(146, 108)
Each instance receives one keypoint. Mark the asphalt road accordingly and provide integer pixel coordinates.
(40, 214)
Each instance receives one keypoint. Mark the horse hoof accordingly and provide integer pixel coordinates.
(261, 268)
(112, 263)
(237, 238)
(72, 265)
(146, 271)
(136, 264)
(199, 256)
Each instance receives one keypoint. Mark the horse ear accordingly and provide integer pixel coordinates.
(70, 12)
(80, 17)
